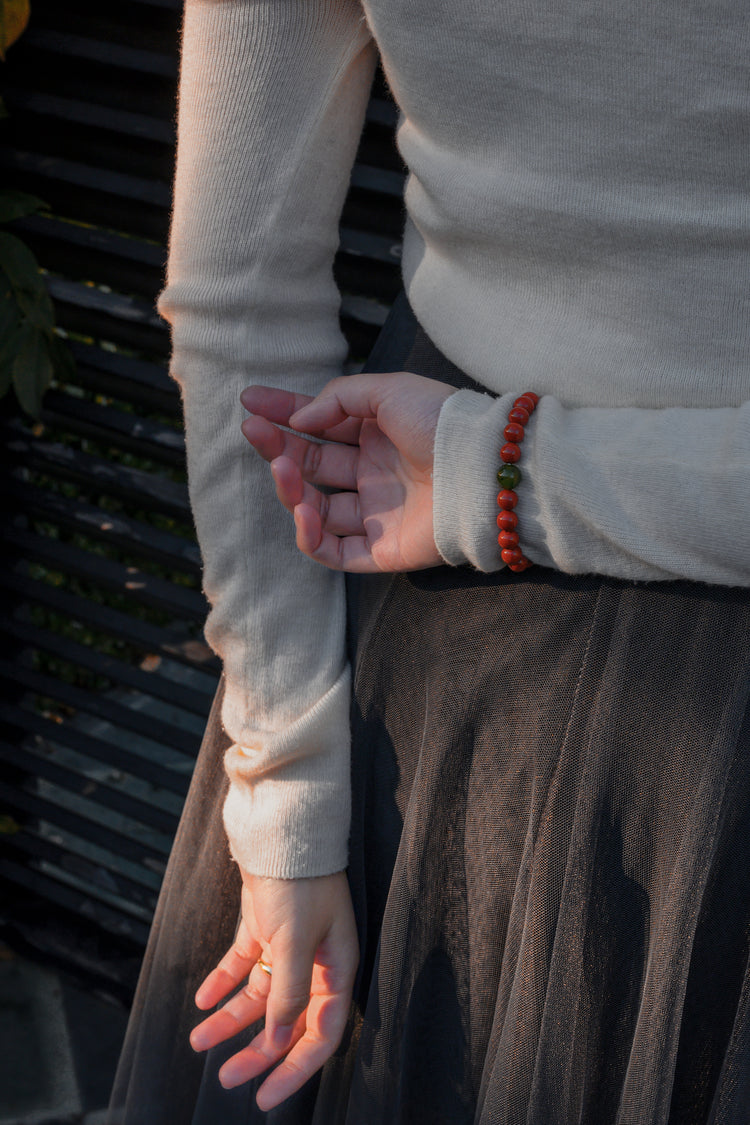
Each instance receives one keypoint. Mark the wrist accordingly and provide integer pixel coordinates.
(468, 438)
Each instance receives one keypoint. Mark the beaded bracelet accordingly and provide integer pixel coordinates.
(508, 477)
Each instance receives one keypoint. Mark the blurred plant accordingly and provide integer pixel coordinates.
(14, 15)
(30, 350)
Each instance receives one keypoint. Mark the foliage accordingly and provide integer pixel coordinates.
(30, 350)
(14, 15)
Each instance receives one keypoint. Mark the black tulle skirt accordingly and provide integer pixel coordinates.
(550, 861)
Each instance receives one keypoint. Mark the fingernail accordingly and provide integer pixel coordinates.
(281, 1036)
(197, 1041)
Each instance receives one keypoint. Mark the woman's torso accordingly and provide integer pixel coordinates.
(578, 198)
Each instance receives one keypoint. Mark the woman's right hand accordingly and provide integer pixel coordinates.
(304, 929)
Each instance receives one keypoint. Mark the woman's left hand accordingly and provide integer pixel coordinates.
(378, 436)
(305, 932)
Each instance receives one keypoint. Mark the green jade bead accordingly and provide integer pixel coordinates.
(508, 476)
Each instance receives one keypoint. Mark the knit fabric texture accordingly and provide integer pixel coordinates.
(577, 222)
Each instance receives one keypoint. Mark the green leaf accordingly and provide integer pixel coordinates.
(62, 360)
(9, 312)
(32, 369)
(19, 264)
(10, 342)
(16, 204)
(38, 309)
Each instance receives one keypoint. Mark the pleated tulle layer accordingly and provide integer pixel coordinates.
(550, 861)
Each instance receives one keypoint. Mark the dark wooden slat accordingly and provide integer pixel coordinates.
(141, 634)
(128, 580)
(92, 240)
(131, 188)
(132, 536)
(90, 195)
(137, 900)
(70, 899)
(363, 244)
(124, 264)
(149, 440)
(365, 310)
(103, 52)
(381, 180)
(136, 373)
(120, 673)
(73, 782)
(31, 804)
(73, 111)
(109, 753)
(97, 475)
(158, 730)
(382, 111)
(109, 316)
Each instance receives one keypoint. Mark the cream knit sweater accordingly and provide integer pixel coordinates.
(577, 224)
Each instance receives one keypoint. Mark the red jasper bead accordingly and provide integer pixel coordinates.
(525, 402)
(508, 539)
(510, 453)
(514, 432)
(511, 555)
(507, 499)
(534, 398)
(518, 567)
(518, 414)
(507, 521)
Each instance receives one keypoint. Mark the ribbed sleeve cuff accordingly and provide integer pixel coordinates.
(464, 478)
(467, 457)
(288, 807)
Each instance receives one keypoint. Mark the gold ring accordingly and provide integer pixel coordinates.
(264, 966)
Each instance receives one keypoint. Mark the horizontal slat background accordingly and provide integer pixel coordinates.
(107, 681)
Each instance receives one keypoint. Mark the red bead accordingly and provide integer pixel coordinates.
(525, 402)
(511, 555)
(534, 398)
(518, 567)
(510, 453)
(514, 432)
(518, 414)
(508, 539)
(507, 521)
(507, 499)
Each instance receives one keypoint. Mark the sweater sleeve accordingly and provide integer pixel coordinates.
(271, 104)
(633, 493)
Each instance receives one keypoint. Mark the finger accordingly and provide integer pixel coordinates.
(316, 1035)
(339, 512)
(352, 396)
(329, 464)
(252, 1060)
(277, 406)
(307, 1056)
(351, 553)
(234, 966)
(244, 1008)
(326, 1018)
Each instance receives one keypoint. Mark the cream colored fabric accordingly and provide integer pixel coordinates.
(577, 225)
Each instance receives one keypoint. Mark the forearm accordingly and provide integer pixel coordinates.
(633, 493)
(272, 98)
